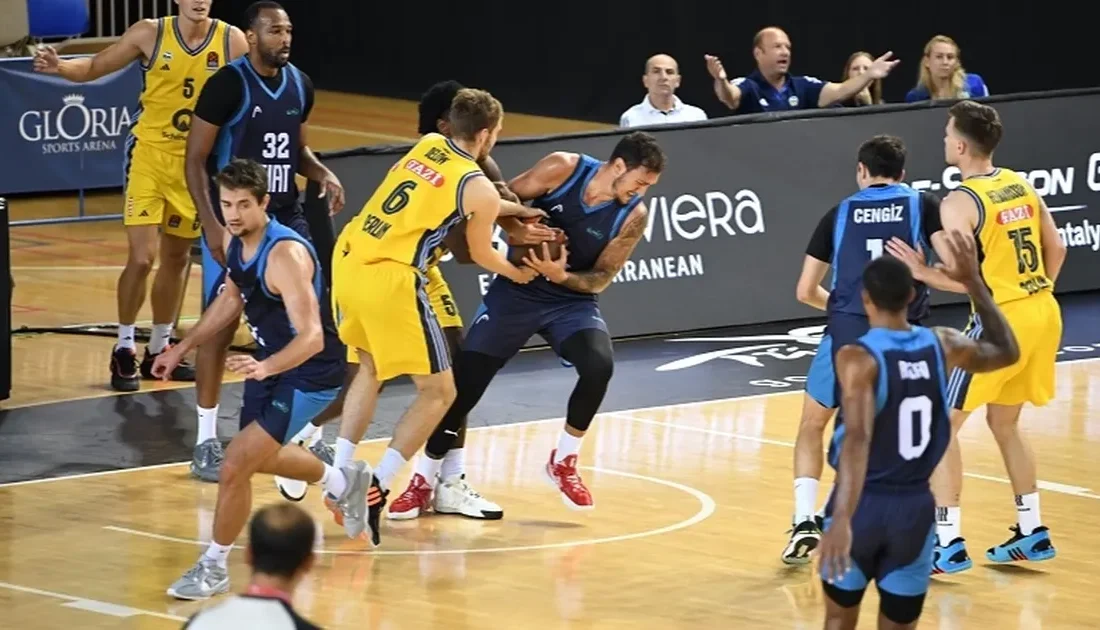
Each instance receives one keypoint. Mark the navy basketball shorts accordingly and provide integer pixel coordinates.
(507, 319)
(213, 274)
(821, 383)
(283, 405)
(893, 535)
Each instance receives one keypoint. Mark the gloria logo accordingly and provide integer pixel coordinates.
(751, 350)
(75, 127)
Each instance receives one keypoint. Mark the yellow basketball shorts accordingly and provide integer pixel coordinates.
(156, 191)
(382, 308)
(1037, 324)
(442, 302)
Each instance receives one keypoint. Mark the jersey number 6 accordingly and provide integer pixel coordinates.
(399, 198)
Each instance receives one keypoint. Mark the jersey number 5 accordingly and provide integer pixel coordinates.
(1027, 255)
(914, 414)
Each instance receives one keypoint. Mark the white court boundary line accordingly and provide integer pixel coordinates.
(695, 403)
(92, 605)
(707, 506)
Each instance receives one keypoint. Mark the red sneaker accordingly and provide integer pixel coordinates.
(414, 501)
(564, 475)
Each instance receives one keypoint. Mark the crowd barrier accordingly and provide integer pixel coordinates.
(730, 218)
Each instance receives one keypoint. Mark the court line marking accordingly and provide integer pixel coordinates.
(695, 403)
(91, 605)
(707, 506)
(1049, 486)
(195, 269)
(362, 134)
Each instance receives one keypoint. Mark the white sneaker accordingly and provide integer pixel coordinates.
(454, 496)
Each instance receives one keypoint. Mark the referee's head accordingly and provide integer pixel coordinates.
(280, 543)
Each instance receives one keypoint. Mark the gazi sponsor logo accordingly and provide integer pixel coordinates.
(75, 127)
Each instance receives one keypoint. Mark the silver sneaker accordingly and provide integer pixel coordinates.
(206, 462)
(202, 581)
(350, 510)
(324, 452)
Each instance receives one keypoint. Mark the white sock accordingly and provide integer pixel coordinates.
(567, 445)
(306, 433)
(1027, 512)
(948, 524)
(208, 424)
(218, 553)
(391, 464)
(805, 497)
(126, 336)
(345, 450)
(429, 468)
(454, 463)
(825, 503)
(158, 340)
(333, 481)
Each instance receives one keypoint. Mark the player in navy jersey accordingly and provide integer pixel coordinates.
(275, 279)
(255, 108)
(880, 521)
(599, 207)
(853, 232)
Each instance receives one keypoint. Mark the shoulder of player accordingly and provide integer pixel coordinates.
(855, 364)
(144, 33)
(288, 254)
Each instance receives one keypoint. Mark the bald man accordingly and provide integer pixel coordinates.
(661, 106)
(771, 88)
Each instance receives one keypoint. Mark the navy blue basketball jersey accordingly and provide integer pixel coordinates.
(267, 130)
(912, 426)
(266, 316)
(865, 222)
(588, 228)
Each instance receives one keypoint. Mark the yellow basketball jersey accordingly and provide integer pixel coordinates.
(174, 77)
(409, 214)
(1008, 233)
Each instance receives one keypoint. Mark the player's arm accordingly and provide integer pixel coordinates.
(727, 92)
(238, 43)
(857, 372)
(997, 347)
(611, 260)
(819, 251)
(510, 205)
(546, 175)
(223, 311)
(289, 274)
(309, 166)
(1054, 249)
(958, 211)
(837, 92)
(481, 203)
(136, 43)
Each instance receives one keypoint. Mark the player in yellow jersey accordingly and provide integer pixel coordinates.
(1021, 255)
(379, 262)
(177, 55)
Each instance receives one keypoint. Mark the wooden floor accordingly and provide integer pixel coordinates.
(692, 503)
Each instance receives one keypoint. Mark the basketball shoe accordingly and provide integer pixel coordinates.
(206, 460)
(295, 489)
(563, 475)
(454, 496)
(952, 558)
(414, 502)
(184, 372)
(202, 581)
(351, 509)
(124, 370)
(805, 537)
(1036, 546)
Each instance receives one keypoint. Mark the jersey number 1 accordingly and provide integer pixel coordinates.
(915, 410)
(874, 246)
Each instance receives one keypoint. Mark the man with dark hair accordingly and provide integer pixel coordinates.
(256, 108)
(879, 523)
(853, 232)
(280, 552)
(1021, 255)
(599, 207)
(274, 278)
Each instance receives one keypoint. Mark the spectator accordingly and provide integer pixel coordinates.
(859, 63)
(771, 88)
(280, 552)
(661, 105)
(941, 75)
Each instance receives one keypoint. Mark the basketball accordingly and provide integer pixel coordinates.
(516, 253)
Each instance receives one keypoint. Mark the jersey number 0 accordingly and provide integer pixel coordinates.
(914, 414)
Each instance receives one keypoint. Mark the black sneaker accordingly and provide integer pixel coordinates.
(804, 538)
(183, 372)
(124, 370)
(376, 504)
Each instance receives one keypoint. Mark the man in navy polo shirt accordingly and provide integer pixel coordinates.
(770, 88)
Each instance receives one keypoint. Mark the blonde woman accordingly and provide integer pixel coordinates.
(942, 76)
(859, 63)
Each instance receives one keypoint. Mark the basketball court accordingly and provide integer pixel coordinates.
(689, 464)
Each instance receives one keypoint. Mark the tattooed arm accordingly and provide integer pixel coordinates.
(611, 260)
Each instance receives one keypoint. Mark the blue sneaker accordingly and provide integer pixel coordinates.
(950, 559)
(1035, 547)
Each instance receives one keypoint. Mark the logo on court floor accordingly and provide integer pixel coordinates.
(752, 350)
(76, 127)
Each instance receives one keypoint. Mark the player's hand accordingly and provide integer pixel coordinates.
(913, 258)
(46, 60)
(964, 259)
(506, 193)
(554, 270)
(715, 68)
(167, 361)
(833, 552)
(247, 367)
(215, 245)
(533, 233)
(882, 66)
(334, 190)
(523, 275)
(520, 211)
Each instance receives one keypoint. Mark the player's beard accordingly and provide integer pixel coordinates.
(272, 58)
